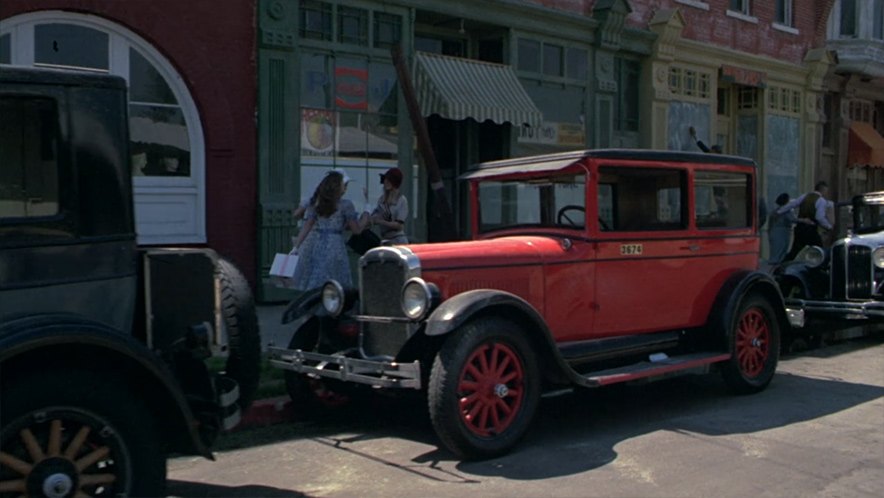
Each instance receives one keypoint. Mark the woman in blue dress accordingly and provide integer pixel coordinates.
(325, 257)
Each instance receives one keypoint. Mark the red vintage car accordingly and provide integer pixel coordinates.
(586, 269)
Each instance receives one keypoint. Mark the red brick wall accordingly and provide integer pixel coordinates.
(213, 49)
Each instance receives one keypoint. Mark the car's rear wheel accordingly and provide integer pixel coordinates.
(754, 344)
(484, 388)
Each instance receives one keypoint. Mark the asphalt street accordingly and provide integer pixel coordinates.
(818, 430)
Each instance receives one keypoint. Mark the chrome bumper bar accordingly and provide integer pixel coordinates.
(850, 310)
(375, 373)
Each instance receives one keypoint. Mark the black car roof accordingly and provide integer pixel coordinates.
(31, 75)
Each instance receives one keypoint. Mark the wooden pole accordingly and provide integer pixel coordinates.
(440, 218)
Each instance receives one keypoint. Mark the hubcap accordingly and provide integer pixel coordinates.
(57, 485)
(752, 346)
(491, 389)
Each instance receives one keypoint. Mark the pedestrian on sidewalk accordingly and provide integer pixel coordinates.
(780, 230)
(325, 257)
(812, 218)
(392, 209)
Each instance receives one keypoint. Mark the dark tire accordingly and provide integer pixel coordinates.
(317, 397)
(754, 344)
(54, 419)
(484, 388)
(241, 319)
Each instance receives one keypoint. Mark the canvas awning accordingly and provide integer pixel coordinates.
(865, 146)
(457, 89)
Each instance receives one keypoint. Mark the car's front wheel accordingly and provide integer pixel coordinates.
(484, 388)
(754, 344)
(74, 433)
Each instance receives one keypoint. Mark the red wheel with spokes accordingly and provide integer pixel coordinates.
(491, 389)
(754, 344)
(483, 388)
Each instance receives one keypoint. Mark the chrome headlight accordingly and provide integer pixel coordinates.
(812, 256)
(333, 298)
(878, 258)
(418, 297)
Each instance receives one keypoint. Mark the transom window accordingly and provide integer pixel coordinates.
(551, 59)
(347, 25)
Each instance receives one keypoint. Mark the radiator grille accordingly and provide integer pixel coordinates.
(839, 271)
(859, 272)
(381, 282)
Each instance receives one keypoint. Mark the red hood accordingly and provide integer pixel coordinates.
(485, 253)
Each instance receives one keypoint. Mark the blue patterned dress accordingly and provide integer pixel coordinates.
(325, 256)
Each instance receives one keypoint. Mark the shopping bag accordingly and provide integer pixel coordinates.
(284, 265)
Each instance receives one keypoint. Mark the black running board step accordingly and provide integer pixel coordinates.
(646, 369)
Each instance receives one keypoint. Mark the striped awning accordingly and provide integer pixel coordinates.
(458, 89)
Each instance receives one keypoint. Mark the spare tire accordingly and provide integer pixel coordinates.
(241, 319)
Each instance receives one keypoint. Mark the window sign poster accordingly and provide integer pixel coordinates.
(318, 129)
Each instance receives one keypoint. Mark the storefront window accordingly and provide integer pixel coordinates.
(576, 63)
(387, 29)
(626, 105)
(353, 26)
(552, 60)
(316, 20)
(529, 55)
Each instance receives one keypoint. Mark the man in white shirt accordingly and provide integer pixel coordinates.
(811, 216)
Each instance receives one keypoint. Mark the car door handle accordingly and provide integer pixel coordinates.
(692, 248)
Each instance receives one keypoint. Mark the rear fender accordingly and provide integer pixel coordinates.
(70, 342)
(731, 294)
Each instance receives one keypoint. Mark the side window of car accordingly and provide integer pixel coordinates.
(722, 200)
(641, 199)
(28, 157)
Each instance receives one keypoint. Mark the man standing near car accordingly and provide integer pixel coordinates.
(811, 216)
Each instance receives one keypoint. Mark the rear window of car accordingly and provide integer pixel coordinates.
(722, 200)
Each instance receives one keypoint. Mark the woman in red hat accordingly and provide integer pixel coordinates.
(392, 209)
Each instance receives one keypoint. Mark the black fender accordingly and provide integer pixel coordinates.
(729, 296)
(67, 341)
(466, 306)
(308, 303)
(798, 273)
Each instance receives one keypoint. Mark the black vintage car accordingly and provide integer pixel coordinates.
(843, 285)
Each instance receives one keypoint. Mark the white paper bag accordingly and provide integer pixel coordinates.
(284, 265)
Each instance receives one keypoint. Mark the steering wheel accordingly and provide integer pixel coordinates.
(562, 216)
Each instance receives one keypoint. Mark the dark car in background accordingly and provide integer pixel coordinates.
(842, 286)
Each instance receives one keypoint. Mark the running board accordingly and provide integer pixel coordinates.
(645, 369)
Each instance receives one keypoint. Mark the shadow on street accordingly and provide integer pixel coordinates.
(579, 431)
(185, 489)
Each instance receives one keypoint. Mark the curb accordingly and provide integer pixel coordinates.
(264, 412)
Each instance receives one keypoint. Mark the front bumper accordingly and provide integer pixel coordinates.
(376, 373)
(846, 310)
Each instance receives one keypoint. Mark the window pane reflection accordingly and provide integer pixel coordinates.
(70, 45)
(5, 55)
(160, 146)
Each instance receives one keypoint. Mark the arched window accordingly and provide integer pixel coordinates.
(168, 161)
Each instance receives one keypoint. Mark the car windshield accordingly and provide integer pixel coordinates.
(557, 201)
(868, 218)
